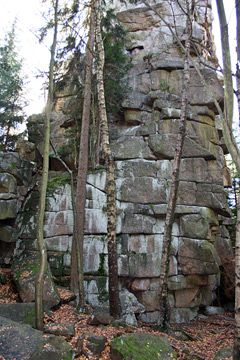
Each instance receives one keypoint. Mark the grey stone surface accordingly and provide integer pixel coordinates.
(96, 343)
(8, 209)
(143, 140)
(8, 183)
(142, 346)
(19, 341)
(182, 315)
(130, 148)
(24, 272)
(8, 233)
(214, 310)
(23, 313)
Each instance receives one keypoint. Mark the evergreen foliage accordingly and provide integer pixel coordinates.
(116, 67)
(11, 92)
(117, 63)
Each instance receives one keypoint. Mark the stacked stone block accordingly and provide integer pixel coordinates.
(143, 146)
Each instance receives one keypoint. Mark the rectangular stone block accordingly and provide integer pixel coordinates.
(137, 224)
(144, 265)
(58, 243)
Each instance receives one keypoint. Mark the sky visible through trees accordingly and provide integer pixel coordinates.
(36, 56)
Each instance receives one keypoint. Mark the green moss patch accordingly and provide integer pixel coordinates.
(142, 347)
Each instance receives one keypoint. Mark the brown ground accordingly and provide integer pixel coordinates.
(207, 335)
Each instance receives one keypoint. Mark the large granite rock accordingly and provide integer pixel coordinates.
(143, 142)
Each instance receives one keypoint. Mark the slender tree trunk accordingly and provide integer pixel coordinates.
(42, 201)
(114, 302)
(228, 99)
(236, 352)
(6, 138)
(167, 236)
(83, 162)
(237, 5)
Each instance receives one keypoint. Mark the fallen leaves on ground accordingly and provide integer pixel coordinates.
(208, 335)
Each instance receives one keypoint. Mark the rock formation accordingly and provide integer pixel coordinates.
(143, 144)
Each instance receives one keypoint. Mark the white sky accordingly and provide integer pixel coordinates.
(36, 56)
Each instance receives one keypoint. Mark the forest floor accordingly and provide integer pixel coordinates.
(206, 336)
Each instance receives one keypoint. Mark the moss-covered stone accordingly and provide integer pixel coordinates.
(223, 353)
(24, 272)
(142, 347)
(8, 233)
(8, 209)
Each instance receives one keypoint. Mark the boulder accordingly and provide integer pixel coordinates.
(130, 306)
(20, 341)
(24, 271)
(224, 353)
(23, 313)
(141, 346)
(96, 343)
(214, 310)
(67, 330)
(183, 315)
(100, 315)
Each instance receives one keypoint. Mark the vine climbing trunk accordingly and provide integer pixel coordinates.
(167, 236)
(83, 167)
(114, 302)
(43, 191)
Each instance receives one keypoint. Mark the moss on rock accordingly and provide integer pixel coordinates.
(142, 346)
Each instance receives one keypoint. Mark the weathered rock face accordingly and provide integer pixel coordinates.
(15, 182)
(143, 144)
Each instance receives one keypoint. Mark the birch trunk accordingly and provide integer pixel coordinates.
(43, 191)
(114, 302)
(83, 165)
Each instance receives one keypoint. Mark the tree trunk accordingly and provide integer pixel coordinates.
(83, 163)
(42, 200)
(227, 73)
(236, 351)
(114, 302)
(167, 236)
(237, 5)
(6, 138)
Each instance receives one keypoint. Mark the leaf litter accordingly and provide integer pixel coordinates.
(205, 336)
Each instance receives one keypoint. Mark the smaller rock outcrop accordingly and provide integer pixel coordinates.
(24, 272)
